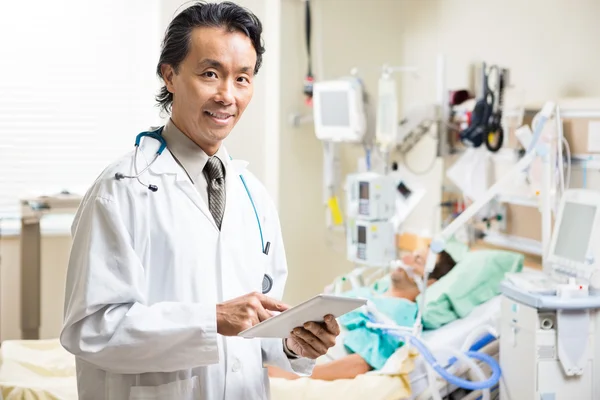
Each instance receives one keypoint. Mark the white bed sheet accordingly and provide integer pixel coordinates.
(453, 335)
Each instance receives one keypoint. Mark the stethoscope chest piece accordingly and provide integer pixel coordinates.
(267, 284)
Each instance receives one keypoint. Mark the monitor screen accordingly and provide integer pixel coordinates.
(574, 231)
(363, 188)
(362, 234)
(334, 108)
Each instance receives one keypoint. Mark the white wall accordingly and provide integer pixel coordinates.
(89, 84)
(549, 46)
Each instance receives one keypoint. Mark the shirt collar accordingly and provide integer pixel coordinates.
(187, 153)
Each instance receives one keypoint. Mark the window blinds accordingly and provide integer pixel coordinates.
(77, 83)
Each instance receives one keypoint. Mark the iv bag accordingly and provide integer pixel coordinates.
(387, 112)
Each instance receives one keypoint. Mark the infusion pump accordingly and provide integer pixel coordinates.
(370, 209)
(376, 206)
(374, 197)
(370, 196)
(371, 243)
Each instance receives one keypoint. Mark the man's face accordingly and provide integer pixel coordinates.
(417, 260)
(212, 86)
(401, 279)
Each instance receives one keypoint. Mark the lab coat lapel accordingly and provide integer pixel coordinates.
(188, 188)
(166, 164)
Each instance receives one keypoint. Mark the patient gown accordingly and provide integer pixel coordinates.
(373, 345)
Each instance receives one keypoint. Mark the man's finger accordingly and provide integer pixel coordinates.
(319, 330)
(332, 325)
(263, 314)
(307, 350)
(270, 303)
(311, 340)
(316, 329)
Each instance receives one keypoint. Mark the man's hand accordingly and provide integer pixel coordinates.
(241, 313)
(314, 339)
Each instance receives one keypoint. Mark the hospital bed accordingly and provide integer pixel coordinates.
(410, 384)
(42, 369)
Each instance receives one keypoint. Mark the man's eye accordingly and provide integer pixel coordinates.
(210, 74)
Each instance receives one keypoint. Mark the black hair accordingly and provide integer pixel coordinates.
(444, 264)
(176, 44)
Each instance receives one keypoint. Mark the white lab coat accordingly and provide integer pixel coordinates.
(145, 273)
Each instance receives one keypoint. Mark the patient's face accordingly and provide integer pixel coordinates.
(416, 260)
(403, 286)
(400, 278)
(402, 281)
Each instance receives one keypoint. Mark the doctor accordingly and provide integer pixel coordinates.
(161, 281)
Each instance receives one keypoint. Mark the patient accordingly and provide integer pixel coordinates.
(400, 295)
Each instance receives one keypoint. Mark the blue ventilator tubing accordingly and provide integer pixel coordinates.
(478, 345)
(452, 379)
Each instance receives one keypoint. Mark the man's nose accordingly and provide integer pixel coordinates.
(225, 93)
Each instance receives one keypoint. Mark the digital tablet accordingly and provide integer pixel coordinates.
(314, 309)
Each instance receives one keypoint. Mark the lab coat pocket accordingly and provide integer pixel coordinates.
(187, 389)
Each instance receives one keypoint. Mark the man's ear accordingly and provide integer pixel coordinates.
(167, 73)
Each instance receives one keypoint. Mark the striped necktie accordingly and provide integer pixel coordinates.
(214, 172)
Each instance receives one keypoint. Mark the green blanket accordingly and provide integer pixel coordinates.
(473, 281)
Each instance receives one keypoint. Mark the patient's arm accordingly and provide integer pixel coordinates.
(347, 367)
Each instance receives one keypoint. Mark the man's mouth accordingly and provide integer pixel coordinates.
(219, 115)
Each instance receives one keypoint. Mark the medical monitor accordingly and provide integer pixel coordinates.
(339, 111)
(576, 237)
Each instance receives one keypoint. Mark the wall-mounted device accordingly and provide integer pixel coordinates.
(339, 110)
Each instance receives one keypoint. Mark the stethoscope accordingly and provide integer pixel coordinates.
(267, 283)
